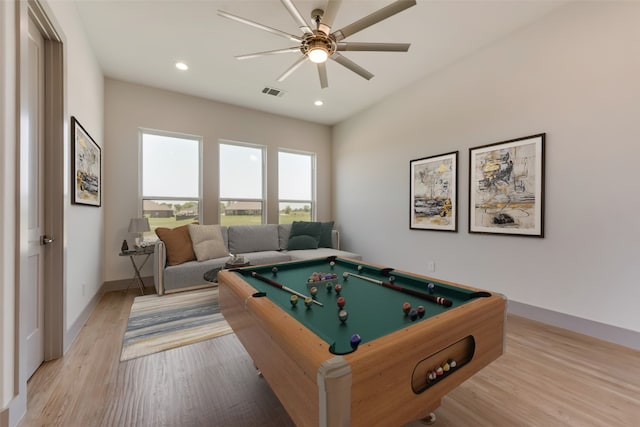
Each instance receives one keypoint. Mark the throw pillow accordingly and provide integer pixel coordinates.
(177, 242)
(304, 235)
(325, 235)
(207, 242)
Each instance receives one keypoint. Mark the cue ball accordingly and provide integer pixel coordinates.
(332, 264)
(341, 302)
(359, 269)
(343, 315)
(431, 287)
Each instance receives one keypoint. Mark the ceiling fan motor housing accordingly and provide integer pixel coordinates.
(317, 40)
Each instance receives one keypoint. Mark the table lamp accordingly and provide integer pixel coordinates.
(138, 226)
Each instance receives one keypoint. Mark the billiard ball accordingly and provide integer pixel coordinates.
(431, 375)
(274, 270)
(294, 300)
(359, 269)
(341, 302)
(431, 287)
(439, 371)
(446, 367)
(421, 311)
(345, 275)
(308, 301)
(452, 363)
(343, 315)
(406, 307)
(329, 285)
(355, 341)
(313, 291)
(413, 314)
(338, 288)
(392, 279)
(332, 264)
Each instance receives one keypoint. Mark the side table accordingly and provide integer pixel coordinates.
(146, 252)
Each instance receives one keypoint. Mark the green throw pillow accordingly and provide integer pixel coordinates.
(304, 235)
(325, 235)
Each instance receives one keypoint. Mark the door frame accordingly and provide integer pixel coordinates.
(54, 200)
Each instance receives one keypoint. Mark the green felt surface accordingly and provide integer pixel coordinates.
(374, 311)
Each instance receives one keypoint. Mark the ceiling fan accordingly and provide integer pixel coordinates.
(319, 44)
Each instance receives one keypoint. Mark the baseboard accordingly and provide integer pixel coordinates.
(121, 285)
(613, 334)
(73, 331)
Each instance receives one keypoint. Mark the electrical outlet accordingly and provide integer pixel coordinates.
(431, 266)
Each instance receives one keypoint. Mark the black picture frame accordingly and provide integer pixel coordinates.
(86, 168)
(506, 187)
(433, 203)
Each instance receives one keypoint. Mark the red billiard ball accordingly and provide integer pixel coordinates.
(406, 307)
(338, 288)
(340, 301)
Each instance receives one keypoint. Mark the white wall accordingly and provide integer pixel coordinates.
(129, 107)
(574, 75)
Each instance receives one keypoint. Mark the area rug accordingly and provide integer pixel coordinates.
(162, 323)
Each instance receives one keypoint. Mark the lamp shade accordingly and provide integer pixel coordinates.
(139, 225)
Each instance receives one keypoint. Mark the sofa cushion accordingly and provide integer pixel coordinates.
(283, 235)
(325, 235)
(177, 241)
(207, 241)
(304, 235)
(253, 238)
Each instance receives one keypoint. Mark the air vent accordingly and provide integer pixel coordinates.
(273, 91)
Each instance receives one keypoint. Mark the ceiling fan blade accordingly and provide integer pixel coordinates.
(329, 16)
(294, 67)
(373, 18)
(345, 62)
(375, 47)
(322, 73)
(269, 52)
(260, 26)
(293, 11)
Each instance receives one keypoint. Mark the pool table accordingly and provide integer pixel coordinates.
(402, 367)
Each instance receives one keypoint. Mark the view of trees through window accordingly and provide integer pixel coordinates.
(241, 184)
(170, 180)
(295, 186)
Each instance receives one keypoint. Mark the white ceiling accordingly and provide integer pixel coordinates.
(140, 40)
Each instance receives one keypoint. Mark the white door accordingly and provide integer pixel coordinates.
(33, 291)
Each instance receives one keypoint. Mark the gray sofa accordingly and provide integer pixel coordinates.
(259, 244)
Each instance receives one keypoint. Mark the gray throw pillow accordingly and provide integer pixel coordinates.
(304, 235)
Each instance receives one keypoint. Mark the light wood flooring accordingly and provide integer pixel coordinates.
(547, 377)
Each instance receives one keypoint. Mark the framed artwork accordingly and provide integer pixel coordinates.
(434, 193)
(86, 169)
(506, 187)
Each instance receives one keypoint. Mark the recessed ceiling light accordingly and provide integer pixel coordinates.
(182, 66)
(318, 103)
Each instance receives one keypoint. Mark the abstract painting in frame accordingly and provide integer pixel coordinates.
(506, 187)
(434, 193)
(86, 169)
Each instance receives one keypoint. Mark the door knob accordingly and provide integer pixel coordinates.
(45, 240)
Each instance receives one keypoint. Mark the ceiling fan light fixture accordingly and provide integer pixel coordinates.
(318, 54)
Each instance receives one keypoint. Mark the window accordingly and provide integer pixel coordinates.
(171, 184)
(296, 183)
(241, 184)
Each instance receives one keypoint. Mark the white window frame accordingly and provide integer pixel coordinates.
(263, 200)
(313, 200)
(142, 197)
